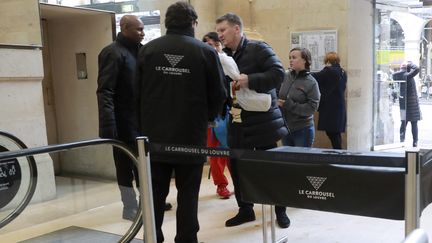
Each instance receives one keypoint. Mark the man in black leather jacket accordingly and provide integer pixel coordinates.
(181, 89)
(117, 103)
(262, 71)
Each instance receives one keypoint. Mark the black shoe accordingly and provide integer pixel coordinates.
(168, 206)
(283, 220)
(129, 213)
(241, 218)
(414, 144)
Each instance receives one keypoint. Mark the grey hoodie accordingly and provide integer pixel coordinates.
(301, 94)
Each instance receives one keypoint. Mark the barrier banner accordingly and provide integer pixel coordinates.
(368, 184)
(357, 190)
(425, 178)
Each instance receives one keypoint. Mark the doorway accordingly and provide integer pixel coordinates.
(72, 39)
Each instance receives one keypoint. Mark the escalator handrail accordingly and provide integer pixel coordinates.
(137, 223)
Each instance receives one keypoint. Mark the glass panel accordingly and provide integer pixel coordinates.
(87, 204)
(402, 34)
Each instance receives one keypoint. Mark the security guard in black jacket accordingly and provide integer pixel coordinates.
(262, 71)
(117, 103)
(181, 89)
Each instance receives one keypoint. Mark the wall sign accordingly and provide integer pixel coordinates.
(318, 43)
(10, 179)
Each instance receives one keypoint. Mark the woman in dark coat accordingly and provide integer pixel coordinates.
(409, 106)
(332, 81)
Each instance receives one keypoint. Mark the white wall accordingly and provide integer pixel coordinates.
(21, 109)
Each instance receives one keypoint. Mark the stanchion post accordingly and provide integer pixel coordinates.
(412, 192)
(272, 224)
(146, 198)
(264, 223)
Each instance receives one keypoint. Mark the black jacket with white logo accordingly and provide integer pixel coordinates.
(181, 89)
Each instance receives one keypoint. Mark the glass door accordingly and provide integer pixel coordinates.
(402, 34)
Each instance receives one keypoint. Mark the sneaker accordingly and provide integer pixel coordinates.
(223, 192)
(282, 220)
(243, 216)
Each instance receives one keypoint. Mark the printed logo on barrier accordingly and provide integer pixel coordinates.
(316, 182)
(173, 60)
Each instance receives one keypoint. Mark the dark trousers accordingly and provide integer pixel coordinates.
(126, 170)
(188, 182)
(335, 139)
(246, 206)
(414, 130)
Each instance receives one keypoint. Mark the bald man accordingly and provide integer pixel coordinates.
(117, 104)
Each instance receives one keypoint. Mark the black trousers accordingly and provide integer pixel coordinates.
(414, 130)
(126, 170)
(335, 139)
(188, 182)
(246, 206)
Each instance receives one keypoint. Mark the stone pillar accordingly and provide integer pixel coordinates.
(21, 73)
(360, 75)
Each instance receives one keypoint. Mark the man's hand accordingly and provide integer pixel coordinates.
(281, 102)
(242, 82)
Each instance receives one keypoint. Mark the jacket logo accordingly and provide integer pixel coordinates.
(173, 59)
(316, 181)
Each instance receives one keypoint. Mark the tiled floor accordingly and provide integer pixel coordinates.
(95, 205)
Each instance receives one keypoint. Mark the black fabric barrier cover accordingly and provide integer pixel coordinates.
(368, 184)
(425, 178)
(358, 190)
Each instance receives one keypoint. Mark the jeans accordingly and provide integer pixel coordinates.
(300, 138)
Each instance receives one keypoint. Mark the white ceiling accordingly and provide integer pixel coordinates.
(402, 3)
(51, 11)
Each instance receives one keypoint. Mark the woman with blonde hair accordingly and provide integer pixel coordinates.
(332, 81)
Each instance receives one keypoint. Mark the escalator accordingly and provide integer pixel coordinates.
(85, 209)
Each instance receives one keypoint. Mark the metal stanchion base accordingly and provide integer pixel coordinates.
(284, 239)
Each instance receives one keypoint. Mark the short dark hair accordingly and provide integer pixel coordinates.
(232, 19)
(180, 15)
(305, 55)
(212, 36)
